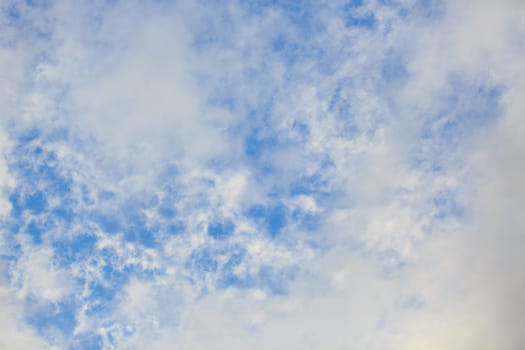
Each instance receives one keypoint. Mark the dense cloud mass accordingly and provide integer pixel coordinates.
(262, 174)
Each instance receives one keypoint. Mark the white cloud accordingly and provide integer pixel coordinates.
(461, 287)
(15, 334)
(385, 268)
(36, 275)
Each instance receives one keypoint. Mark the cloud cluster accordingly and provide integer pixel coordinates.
(267, 175)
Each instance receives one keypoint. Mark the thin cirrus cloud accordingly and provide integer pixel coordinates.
(320, 175)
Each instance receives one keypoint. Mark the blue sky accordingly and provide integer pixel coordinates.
(266, 174)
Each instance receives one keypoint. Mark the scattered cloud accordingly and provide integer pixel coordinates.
(267, 175)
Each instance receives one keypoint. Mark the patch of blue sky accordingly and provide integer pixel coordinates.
(355, 17)
(17, 203)
(39, 3)
(366, 21)
(303, 16)
(176, 227)
(12, 11)
(108, 223)
(35, 230)
(87, 195)
(49, 318)
(259, 149)
(40, 178)
(36, 202)
(296, 52)
(256, 144)
(428, 9)
(236, 256)
(138, 227)
(168, 172)
(27, 136)
(166, 205)
(103, 293)
(262, 142)
(141, 234)
(167, 210)
(78, 248)
(203, 261)
(114, 262)
(352, 4)
(221, 228)
(101, 299)
(114, 275)
(307, 220)
(222, 263)
(273, 218)
(167, 198)
(315, 185)
(129, 219)
(231, 279)
(86, 341)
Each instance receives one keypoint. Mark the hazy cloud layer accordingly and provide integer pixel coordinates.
(272, 174)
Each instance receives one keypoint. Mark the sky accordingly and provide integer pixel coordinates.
(269, 174)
